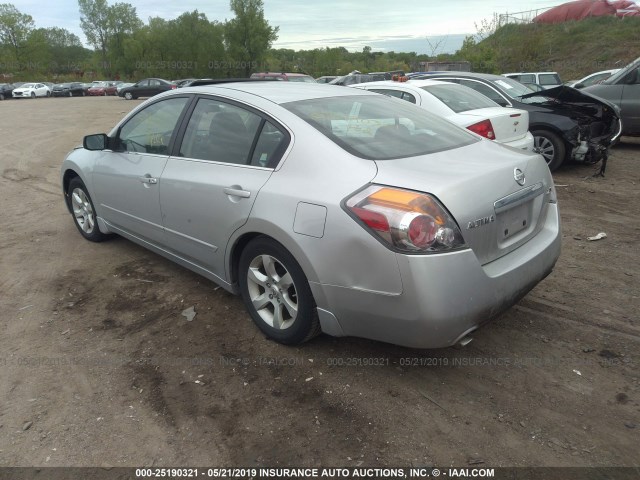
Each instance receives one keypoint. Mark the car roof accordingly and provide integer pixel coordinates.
(409, 83)
(278, 92)
(484, 76)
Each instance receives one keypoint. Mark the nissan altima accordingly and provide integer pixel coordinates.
(327, 209)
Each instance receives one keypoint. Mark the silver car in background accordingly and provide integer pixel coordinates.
(326, 208)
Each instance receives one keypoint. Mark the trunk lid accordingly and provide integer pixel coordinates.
(508, 124)
(477, 185)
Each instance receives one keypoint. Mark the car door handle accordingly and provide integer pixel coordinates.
(149, 179)
(237, 192)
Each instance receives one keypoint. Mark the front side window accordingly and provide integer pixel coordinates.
(379, 128)
(150, 130)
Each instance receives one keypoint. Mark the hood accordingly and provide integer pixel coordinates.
(571, 95)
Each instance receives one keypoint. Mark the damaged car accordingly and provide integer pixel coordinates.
(566, 124)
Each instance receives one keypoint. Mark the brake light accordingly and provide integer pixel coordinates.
(409, 221)
(483, 128)
(173, 87)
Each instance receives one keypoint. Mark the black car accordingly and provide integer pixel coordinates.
(5, 90)
(68, 90)
(146, 88)
(566, 123)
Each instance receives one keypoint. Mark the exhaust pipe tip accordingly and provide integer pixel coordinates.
(464, 341)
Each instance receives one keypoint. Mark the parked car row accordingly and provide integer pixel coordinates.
(567, 124)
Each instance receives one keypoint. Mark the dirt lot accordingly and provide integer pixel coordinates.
(99, 367)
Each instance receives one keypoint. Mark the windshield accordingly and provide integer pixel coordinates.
(613, 79)
(302, 79)
(459, 98)
(28, 85)
(516, 90)
(378, 127)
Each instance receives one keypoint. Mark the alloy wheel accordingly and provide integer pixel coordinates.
(544, 147)
(272, 292)
(82, 210)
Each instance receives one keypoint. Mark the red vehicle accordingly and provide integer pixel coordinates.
(103, 89)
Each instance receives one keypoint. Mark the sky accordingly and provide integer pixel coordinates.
(427, 26)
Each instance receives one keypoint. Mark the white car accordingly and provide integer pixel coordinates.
(544, 79)
(32, 90)
(593, 79)
(463, 106)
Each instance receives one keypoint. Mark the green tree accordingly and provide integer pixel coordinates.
(106, 27)
(94, 21)
(248, 36)
(15, 28)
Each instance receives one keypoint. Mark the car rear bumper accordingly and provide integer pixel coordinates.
(446, 296)
(524, 143)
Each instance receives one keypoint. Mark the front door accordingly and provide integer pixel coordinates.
(127, 180)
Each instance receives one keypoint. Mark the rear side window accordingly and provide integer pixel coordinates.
(395, 93)
(459, 98)
(549, 79)
(222, 132)
(379, 128)
(485, 90)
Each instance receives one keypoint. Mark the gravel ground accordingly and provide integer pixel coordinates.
(99, 367)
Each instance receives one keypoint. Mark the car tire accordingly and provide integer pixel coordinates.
(84, 94)
(83, 211)
(550, 146)
(1, 96)
(33, 94)
(128, 95)
(70, 94)
(48, 94)
(276, 292)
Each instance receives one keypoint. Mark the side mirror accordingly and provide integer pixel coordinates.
(579, 85)
(95, 142)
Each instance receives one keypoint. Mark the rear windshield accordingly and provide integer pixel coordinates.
(516, 90)
(459, 98)
(380, 128)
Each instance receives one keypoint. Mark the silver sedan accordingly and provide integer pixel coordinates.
(327, 209)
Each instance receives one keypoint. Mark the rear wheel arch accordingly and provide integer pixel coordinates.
(279, 236)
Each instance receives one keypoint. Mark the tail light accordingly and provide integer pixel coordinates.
(408, 221)
(483, 128)
(173, 87)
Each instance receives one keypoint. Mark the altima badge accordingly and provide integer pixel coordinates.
(481, 221)
(519, 176)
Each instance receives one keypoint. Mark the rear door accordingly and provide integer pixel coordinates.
(227, 154)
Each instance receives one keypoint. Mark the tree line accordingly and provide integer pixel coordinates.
(190, 46)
